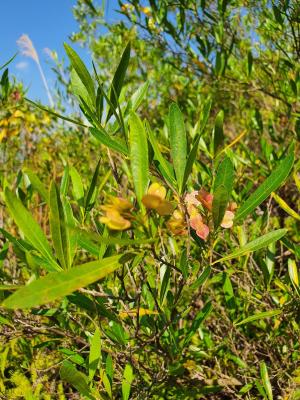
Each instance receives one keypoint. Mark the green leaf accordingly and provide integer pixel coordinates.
(138, 156)
(178, 143)
(55, 114)
(218, 132)
(37, 184)
(167, 170)
(127, 381)
(58, 228)
(219, 205)
(205, 114)
(78, 190)
(29, 227)
(105, 139)
(81, 71)
(64, 184)
(89, 201)
(138, 96)
(265, 380)
(249, 62)
(259, 243)
(225, 175)
(118, 79)
(95, 354)
(8, 62)
(191, 159)
(79, 89)
(58, 284)
(228, 292)
(266, 188)
(78, 380)
(202, 278)
(165, 275)
(201, 316)
(261, 315)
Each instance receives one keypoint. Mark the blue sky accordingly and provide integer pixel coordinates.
(48, 23)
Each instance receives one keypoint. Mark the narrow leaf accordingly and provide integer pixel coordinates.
(259, 243)
(81, 71)
(58, 227)
(58, 284)
(78, 190)
(78, 380)
(219, 205)
(266, 188)
(29, 227)
(138, 156)
(225, 175)
(127, 381)
(218, 132)
(178, 143)
(285, 206)
(95, 353)
(105, 139)
(118, 79)
(166, 167)
(261, 315)
(266, 380)
(55, 114)
(37, 184)
(91, 191)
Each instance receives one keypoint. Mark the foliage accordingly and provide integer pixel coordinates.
(151, 250)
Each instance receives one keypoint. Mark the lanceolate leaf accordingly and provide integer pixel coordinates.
(78, 189)
(118, 79)
(37, 184)
(266, 380)
(95, 353)
(92, 188)
(138, 155)
(29, 227)
(178, 143)
(225, 175)
(58, 284)
(168, 172)
(259, 243)
(59, 229)
(105, 139)
(258, 316)
(127, 381)
(219, 205)
(266, 188)
(138, 96)
(81, 71)
(78, 380)
(218, 132)
(191, 159)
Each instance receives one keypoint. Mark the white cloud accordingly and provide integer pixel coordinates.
(22, 65)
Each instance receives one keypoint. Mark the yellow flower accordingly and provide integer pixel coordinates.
(114, 220)
(155, 199)
(134, 312)
(176, 223)
(115, 212)
(190, 364)
(118, 204)
(146, 11)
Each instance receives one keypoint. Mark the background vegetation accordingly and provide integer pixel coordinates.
(150, 219)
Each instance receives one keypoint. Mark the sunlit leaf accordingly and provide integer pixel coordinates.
(29, 227)
(178, 143)
(257, 244)
(274, 180)
(138, 155)
(58, 284)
